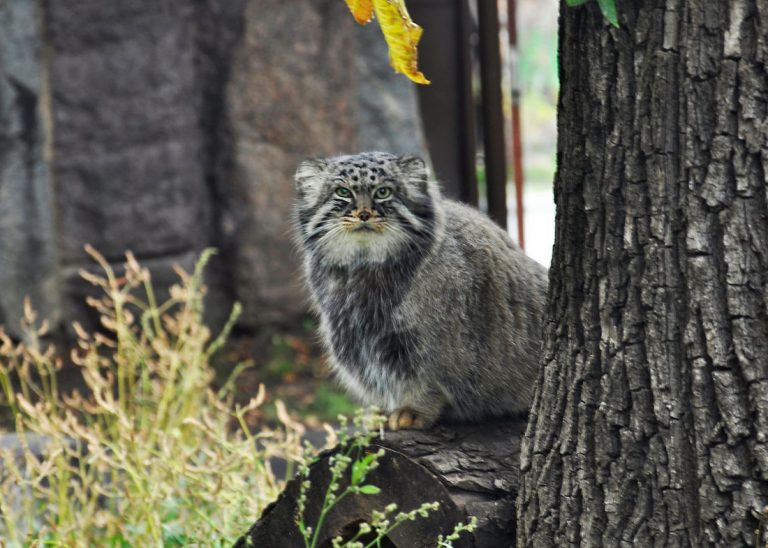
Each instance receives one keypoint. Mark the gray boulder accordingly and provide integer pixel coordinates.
(28, 252)
(166, 127)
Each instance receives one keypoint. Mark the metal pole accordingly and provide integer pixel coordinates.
(492, 111)
(467, 105)
(517, 140)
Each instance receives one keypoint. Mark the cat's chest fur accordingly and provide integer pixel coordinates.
(362, 312)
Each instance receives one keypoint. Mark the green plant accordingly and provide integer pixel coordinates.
(149, 457)
(328, 401)
(353, 454)
(608, 7)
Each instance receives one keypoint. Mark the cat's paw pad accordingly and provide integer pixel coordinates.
(405, 418)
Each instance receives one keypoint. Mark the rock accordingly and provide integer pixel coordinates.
(28, 255)
(37, 444)
(76, 289)
(289, 97)
(19, 447)
(306, 82)
(386, 111)
(127, 141)
(167, 127)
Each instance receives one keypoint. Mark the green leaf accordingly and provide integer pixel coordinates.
(608, 7)
(116, 541)
(370, 490)
(572, 3)
(369, 458)
(358, 471)
(177, 539)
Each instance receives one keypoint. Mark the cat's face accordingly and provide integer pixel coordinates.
(367, 207)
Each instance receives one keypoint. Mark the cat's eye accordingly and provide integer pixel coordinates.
(343, 192)
(383, 192)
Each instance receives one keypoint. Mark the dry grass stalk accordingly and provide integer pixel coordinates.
(148, 457)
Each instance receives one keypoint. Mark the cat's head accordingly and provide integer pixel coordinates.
(368, 207)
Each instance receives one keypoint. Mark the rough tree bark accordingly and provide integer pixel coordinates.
(650, 424)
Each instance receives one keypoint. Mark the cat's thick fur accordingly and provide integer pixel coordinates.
(427, 308)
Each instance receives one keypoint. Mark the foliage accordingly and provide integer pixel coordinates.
(149, 457)
(537, 65)
(353, 454)
(400, 32)
(608, 7)
(328, 401)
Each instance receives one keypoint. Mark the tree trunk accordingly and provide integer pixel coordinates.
(650, 423)
(467, 469)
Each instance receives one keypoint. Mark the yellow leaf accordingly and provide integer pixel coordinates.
(362, 10)
(400, 32)
(402, 36)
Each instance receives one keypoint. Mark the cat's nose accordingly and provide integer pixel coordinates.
(364, 215)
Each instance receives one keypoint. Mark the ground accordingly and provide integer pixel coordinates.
(291, 365)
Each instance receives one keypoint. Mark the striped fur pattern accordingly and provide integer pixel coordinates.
(427, 309)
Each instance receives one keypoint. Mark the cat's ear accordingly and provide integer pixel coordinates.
(309, 174)
(415, 174)
(413, 167)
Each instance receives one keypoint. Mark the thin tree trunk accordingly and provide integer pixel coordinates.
(650, 423)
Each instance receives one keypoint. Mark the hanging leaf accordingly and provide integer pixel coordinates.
(608, 7)
(400, 32)
(402, 36)
(362, 10)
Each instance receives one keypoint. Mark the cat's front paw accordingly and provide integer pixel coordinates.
(406, 418)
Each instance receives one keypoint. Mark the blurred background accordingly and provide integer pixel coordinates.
(165, 127)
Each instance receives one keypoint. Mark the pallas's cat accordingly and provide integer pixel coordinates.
(427, 309)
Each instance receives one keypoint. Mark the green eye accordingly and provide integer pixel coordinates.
(343, 192)
(383, 192)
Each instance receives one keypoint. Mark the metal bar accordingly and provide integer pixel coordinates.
(467, 122)
(517, 139)
(492, 111)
